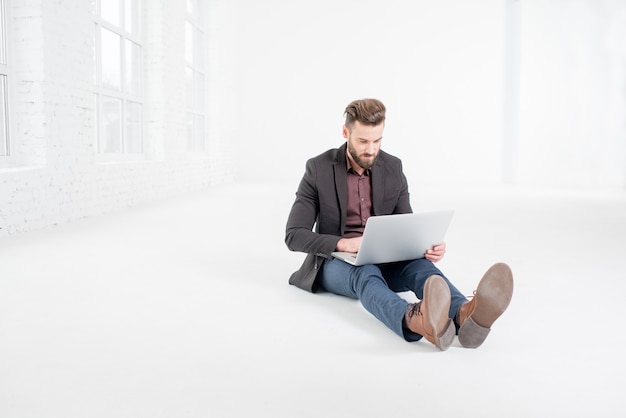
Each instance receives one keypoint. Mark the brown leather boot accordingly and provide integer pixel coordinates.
(429, 318)
(491, 298)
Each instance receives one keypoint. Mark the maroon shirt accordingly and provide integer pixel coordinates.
(359, 202)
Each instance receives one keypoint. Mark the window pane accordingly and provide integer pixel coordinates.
(189, 87)
(3, 35)
(198, 91)
(133, 127)
(111, 127)
(198, 132)
(189, 131)
(96, 106)
(111, 60)
(4, 126)
(110, 11)
(190, 6)
(95, 51)
(198, 52)
(131, 17)
(133, 55)
(189, 42)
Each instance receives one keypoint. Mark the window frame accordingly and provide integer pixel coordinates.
(8, 147)
(126, 97)
(196, 109)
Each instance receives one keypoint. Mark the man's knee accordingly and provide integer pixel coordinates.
(367, 275)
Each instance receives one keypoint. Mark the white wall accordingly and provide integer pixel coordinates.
(438, 66)
(529, 92)
(573, 93)
(54, 175)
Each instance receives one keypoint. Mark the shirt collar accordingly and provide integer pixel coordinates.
(349, 168)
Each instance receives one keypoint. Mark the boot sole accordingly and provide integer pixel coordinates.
(493, 296)
(437, 297)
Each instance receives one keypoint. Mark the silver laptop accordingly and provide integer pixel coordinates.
(389, 238)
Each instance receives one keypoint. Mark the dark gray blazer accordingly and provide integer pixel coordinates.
(321, 201)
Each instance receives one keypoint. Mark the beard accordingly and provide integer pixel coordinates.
(360, 159)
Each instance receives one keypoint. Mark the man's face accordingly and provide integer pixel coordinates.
(363, 143)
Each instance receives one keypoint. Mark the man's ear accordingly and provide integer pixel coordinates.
(345, 132)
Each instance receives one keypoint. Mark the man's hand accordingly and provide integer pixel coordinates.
(436, 253)
(349, 245)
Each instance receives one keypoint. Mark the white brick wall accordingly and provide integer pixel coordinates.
(55, 175)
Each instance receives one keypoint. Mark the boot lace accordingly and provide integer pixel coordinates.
(415, 309)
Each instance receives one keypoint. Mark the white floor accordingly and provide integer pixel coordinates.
(182, 309)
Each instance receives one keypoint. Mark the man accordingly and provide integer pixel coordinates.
(340, 190)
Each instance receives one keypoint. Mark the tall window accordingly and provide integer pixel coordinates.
(195, 74)
(4, 76)
(119, 101)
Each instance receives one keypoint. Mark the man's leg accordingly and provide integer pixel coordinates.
(366, 284)
(411, 321)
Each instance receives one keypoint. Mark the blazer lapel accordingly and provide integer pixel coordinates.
(341, 184)
(378, 183)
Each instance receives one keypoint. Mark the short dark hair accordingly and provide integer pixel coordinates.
(367, 111)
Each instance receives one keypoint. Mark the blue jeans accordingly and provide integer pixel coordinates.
(376, 286)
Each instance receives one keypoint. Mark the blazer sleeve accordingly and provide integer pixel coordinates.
(304, 213)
